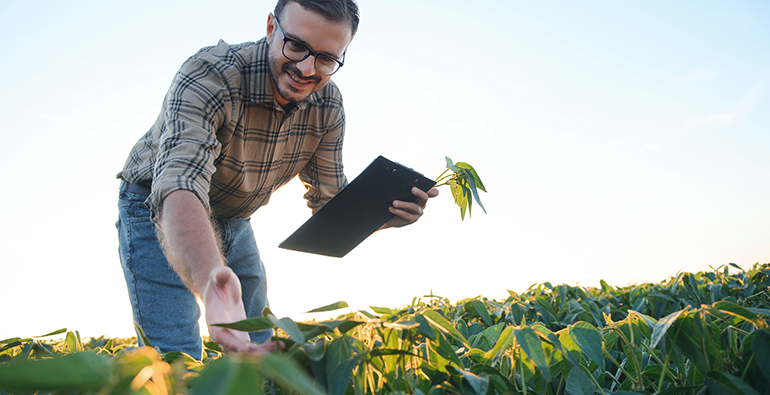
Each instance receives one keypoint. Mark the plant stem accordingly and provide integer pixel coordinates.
(591, 376)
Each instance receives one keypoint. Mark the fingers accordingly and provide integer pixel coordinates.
(222, 300)
(405, 213)
(228, 340)
(232, 341)
(415, 209)
(408, 212)
(422, 197)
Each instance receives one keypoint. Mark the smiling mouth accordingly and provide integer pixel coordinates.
(299, 80)
(296, 75)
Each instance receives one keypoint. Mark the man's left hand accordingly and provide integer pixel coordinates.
(408, 212)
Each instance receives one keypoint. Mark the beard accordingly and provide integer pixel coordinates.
(286, 91)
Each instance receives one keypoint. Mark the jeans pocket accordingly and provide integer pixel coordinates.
(132, 204)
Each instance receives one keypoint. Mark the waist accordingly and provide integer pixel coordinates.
(126, 186)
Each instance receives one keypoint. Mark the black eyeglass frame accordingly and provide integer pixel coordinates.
(309, 51)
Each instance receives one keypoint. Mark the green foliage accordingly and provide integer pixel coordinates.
(464, 183)
(703, 333)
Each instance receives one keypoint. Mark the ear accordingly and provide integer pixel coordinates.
(270, 27)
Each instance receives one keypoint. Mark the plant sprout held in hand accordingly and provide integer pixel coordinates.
(464, 182)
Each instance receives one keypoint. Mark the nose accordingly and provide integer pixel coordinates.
(307, 66)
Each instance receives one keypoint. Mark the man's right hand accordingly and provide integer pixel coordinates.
(222, 300)
(193, 250)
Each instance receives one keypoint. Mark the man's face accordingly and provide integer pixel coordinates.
(294, 81)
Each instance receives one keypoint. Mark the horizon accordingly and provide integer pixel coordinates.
(617, 141)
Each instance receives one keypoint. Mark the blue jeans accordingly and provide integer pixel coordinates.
(162, 305)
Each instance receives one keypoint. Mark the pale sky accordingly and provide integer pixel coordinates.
(624, 141)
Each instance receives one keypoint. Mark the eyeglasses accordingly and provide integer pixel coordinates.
(297, 52)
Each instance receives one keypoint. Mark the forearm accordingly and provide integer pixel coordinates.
(188, 238)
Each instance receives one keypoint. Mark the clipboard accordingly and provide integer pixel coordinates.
(358, 210)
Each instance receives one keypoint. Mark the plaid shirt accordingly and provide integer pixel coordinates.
(221, 135)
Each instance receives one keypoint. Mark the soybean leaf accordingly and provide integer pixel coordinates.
(503, 342)
(381, 310)
(661, 296)
(482, 312)
(464, 183)
(27, 350)
(317, 328)
(661, 327)
(70, 371)
(446, 326)
(249, 324)
(450, 165)
(578, 383)
(738, 311)
(470, 182)
(330, 307)
(347, 325)
(532, 346)
(605, 287)
(339, 381)
(474, 176)
(400, 325)
(12, 342)
(290, 327)
(461, 199)
(691, 342)
(479, 384)
(183, 358)
(492, 333)
(543, 301)
(442, 348)
(56, 332)
(73, 342)
(315, 351)
(498, 380)
(723, 383)
(339, 365)
(551, 338)
(288, 374)
(589, 339)
(424, 327)
(225, 376)
(760, 346)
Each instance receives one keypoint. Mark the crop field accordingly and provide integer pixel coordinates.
(694, 333)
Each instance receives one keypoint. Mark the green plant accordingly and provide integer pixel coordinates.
(695, 333)
(464, 183)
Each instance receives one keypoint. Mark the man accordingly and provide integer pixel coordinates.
(238, 122)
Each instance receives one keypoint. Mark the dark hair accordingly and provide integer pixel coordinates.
(333, 10)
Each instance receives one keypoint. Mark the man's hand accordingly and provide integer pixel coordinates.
(222, 299)
(407, 212)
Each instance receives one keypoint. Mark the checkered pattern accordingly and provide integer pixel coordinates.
(221, 135)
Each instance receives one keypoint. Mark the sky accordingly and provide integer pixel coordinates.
(618, 141)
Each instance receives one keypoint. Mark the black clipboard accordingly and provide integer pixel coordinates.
(358, 210)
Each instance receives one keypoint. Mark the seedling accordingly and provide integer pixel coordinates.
(464, 182)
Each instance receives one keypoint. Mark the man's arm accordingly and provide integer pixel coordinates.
(193, 249)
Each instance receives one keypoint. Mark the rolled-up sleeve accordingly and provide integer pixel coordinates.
(194, 108)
